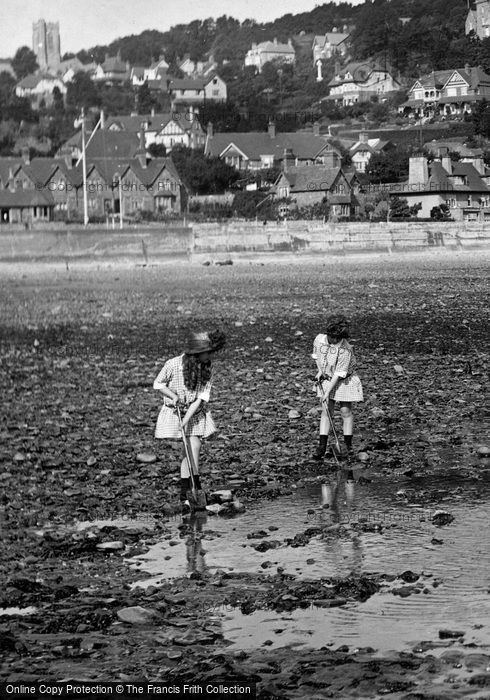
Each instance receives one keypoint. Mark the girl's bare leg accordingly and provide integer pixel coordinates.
(348, 422)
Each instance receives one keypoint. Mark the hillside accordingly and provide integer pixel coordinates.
(412, 35)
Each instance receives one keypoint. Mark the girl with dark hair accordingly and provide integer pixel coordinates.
(186, 381)
(340, 384)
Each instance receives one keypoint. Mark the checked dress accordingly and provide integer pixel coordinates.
(338, 359)
(201, 423)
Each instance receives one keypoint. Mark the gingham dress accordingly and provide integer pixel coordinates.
(338, 359)
(201, 423)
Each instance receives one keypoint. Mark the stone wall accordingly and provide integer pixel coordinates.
(153, 243)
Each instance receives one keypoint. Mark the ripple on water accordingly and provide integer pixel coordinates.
(454, 573)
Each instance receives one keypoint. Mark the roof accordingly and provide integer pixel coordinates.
(442, 180)
(310, 178)
(113, 64)
(106, 144)
(138, 71)
(153, 122)
(9, 165)
(371, 145)
(256, 144)
(271, 46)
(332, 38)
(187, 84)
(475, 76)
(458, 146)
(26, 198)
(31, 81)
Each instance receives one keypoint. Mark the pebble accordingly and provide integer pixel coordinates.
(136, 615)
(146, 457)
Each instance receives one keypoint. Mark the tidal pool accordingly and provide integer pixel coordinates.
(367, 527)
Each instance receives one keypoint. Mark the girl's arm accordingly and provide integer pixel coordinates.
(160, 384)
(195, 405)
(341, 368)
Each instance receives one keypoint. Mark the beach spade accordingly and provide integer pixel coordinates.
(196, 497)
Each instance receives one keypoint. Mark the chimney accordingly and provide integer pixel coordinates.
(418, 170)
(142, 137)
(290, 42)
(336, 68)
(11, 182)
(275, 40)
(467, 67)
(210, 130)
(446, 164)
(25, 155)
(254, 45)
(153, 111)
(271, 129)
(288, 159)
(331, 158)
(363, 136)
(102, 119)
(316, 128)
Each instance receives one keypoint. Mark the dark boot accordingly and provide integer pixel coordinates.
(185, 485)
(321, 449)
(197, 481)
(348, 443)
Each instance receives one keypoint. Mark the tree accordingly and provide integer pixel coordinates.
(145, 99)
(389, 166)
(481, 118)
(201, 174)
(399, 208)
(24, 62)
(82, 92)
(157, 150)
(440, 213)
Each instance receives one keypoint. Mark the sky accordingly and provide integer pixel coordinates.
(86, 23)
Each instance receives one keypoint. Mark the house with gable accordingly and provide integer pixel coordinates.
(267, 51)
(192, 91)
(307, 185)
(364, 148)
(258, 150)
(197, 68)
(358, 82)
(448, 93)
(460, 186)
(478, 19)
(168, 129)
(113, 71)
(38, 88)
(332, 43)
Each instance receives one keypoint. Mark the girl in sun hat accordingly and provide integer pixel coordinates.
(185, 380)
(339, 382)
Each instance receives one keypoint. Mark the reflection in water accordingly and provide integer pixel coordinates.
(193, 544)
(337, 494)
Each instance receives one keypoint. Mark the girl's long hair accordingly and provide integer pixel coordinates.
(195, 371)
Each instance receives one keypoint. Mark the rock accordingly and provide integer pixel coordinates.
(442, 517)
(483, 451)
(329, 602)
(362, 456)
(222, 496)
(146, 457)
(215, 508)
(377, 412)
(409, 576)
(293, 414)
(136, 615)
(268, 339)
(450, 634)
(434, 540)
(398, 369)
(111, 546)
